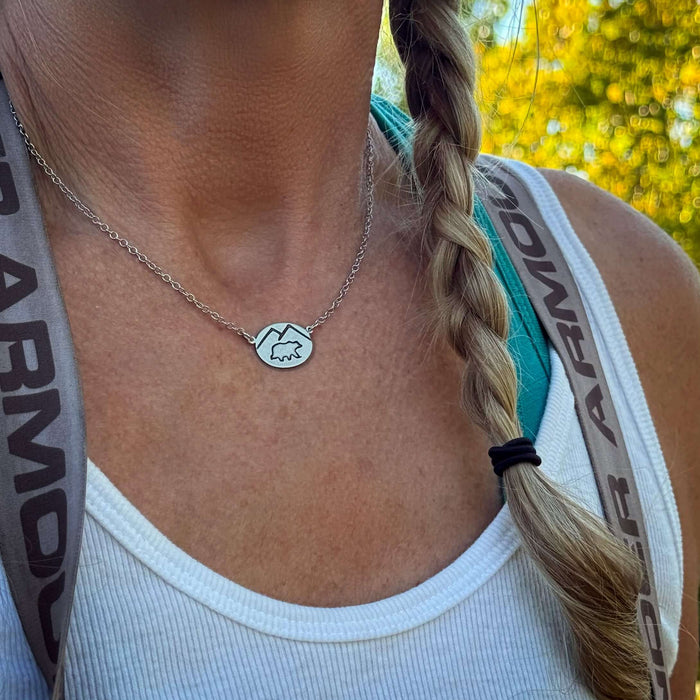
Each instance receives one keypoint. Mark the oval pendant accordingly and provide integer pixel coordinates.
(283, 345)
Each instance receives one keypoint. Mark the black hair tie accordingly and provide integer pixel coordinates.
(517, 450)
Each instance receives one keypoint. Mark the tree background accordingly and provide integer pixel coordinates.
(606, 89)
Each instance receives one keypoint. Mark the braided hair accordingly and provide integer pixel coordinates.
(593, 574)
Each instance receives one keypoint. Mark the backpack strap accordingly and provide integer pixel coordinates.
(555, 297)
(42, 481)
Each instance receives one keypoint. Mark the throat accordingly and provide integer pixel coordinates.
(207, 126)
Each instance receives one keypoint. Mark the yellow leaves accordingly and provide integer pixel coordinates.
(619, 189)
(659, 92)
(617, 99)
(641, 8)
(667, 17)
(689, 74)
(506, 106)
(596, 43)
(614, 93)
(611, 30)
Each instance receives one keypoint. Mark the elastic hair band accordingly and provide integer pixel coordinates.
(517, 450)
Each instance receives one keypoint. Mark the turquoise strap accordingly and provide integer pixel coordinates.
(526, 341)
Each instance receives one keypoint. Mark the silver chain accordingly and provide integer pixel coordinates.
(141, 257)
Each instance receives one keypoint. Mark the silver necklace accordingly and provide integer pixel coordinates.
(283, 345)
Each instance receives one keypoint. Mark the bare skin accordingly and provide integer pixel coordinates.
(231, 155)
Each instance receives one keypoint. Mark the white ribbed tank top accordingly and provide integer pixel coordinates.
(151, 623)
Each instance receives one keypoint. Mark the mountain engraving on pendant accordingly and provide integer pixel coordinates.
(283, 345)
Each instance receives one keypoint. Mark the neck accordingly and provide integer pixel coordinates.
(227, 136)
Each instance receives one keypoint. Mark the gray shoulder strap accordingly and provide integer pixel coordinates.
(554, 295)
(42, 423)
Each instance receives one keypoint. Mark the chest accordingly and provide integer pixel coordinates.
(358, 466)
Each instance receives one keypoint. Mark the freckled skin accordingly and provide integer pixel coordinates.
(230, 154)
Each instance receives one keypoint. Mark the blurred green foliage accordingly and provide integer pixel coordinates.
(606, 89)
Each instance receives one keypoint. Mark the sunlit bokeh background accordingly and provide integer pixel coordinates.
(606, 89)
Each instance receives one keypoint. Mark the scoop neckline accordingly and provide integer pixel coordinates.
(397, 613)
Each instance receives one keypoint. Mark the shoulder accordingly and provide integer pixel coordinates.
(655, 288)
(607, 224)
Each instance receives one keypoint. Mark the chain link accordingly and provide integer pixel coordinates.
(141, 257)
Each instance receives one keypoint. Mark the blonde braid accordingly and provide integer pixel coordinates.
(593, 574)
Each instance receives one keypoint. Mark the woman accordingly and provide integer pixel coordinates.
(350, 500)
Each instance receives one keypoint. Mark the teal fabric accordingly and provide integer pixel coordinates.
(526, 341)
